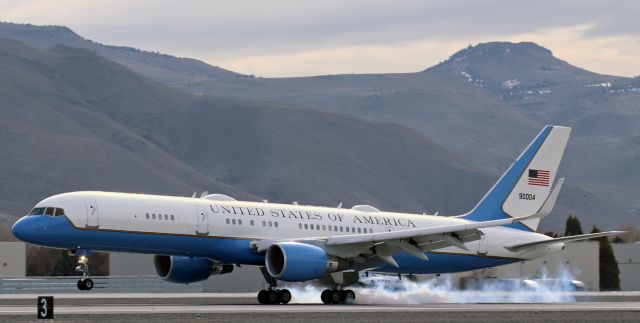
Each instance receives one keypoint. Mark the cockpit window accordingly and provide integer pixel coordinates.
(52, 211)
(37, 211)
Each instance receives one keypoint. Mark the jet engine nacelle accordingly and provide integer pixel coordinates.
(293, 261)
(185, 270)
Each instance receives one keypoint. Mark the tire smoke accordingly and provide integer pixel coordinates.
(544, 289)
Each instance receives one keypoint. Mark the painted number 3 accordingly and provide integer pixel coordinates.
(43, 312)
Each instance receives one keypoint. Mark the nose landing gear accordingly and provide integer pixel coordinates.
(85, 283)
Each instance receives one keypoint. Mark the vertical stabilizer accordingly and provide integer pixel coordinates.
(526, 185)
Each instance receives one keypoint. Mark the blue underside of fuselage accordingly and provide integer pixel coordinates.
(57, 232)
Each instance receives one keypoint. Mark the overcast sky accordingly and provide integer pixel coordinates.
(297, 37)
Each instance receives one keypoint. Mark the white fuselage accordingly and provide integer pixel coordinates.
(254, 221)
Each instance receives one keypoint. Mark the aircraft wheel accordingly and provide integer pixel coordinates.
(88, 284)
(348, 296)
(262, 297)
(80, 284)
(326, 296)
(272, 297)
(284, 296)
(335, 297)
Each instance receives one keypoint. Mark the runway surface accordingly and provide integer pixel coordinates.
(238, 307)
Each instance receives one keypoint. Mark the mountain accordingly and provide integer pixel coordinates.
(72, 120)
(165, 68)
(54, 140)
(483, 104)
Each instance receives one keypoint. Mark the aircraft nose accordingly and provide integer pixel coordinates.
(23, 229)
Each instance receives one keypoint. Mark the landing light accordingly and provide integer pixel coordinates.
(82, 259)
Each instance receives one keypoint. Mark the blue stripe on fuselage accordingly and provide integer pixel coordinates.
(58, 232)
(490, 207)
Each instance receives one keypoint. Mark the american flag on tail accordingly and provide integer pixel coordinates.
(539, 177)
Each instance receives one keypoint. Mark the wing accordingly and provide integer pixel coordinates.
(414, 242)
(531, 245)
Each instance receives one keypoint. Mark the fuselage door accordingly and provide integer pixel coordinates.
(93, 214)
(482, 245)
(202, 218)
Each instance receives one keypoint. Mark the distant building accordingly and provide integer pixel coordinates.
(13, 259)
(628, 257)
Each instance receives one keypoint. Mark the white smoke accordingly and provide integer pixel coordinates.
(544, 289)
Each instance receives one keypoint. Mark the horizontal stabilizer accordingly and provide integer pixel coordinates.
(531, 245)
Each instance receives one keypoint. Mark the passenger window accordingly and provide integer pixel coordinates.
(153, 216)
(353, 230)
(147, 216)
(275, 224)
(329, 227)
(324, 227)
(299, 225)
(264, 223)
(172, 217)
(340, 229)
(37, 211)
(370, 230)
(335, 228)
(239, 222)
(166, 216)
(233, 221)
(59, 212)
(359, 230)
(227, 221)
(306, 226)
(49, 211)
(270, 224)
(251, 222)
(317, 227)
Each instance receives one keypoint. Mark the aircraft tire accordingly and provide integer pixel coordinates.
(284, 296)
(325, 296)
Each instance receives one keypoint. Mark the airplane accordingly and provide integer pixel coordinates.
(193, 238)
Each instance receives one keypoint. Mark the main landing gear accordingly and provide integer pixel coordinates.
(273, 295)
(337, 296)
(85, 283)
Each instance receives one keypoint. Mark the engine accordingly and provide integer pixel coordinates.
(293, 261)
(185, 270)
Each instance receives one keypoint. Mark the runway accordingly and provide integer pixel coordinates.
(238, 307)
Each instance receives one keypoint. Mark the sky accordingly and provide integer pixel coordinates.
(300, 38)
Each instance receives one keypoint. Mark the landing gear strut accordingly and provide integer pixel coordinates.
(85, 283)
(272, 295)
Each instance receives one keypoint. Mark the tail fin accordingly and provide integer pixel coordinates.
(525, 186)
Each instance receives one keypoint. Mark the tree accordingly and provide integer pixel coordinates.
(573, 226)
(551, 234)
(609, 272)
(617, 239)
